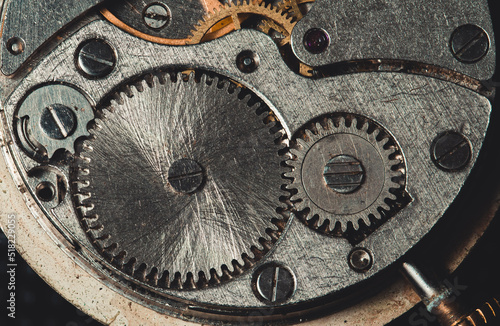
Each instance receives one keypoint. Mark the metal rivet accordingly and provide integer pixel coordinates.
(469, 43)
(451, 151)
(45, 191)
(185, 176)
(273, 283)
(247, 61)
(316, 40)
(344, 174)
(360, 260)
(156, 16)
(58, 121)
(95, 59)
(16, 45)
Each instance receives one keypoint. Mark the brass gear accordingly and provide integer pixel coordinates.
(230, 16)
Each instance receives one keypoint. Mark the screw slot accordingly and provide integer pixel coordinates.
(16, 45)
(156, 16)
(451, 151)
(95, 59)
(58, 121)
(185, 176)
(45, 191)
(247, 61)
(273, 283)
(344, 174)
(469, 43)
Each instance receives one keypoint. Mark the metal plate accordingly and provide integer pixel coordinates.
(413, 108)
(395, 29)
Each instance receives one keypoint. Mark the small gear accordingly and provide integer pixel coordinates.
(179, 181)
(230, 14)
(344, 170)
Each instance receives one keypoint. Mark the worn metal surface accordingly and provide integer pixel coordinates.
(124, 173)
(35, 106)
(35, 21)
(395, 29)
(183, 16)
(414, 109)
(326, 139)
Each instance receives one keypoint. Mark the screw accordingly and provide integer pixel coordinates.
(156, 16)
(95, 59)
(273, 283)
(469, 43)
(45, 191)
(316, 40)
(247, 61)
(16, 45)
(360, 260)
(58, 121)
(185, 176)
(451, 151)
(344, 174)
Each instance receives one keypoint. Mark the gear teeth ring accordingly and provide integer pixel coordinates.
(281, 20)
(372, 159)
(126, 205)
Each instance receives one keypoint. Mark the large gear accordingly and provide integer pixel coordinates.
(345, 169)
(201, 156)
(231, 11)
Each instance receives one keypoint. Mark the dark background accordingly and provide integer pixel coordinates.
(38, 305)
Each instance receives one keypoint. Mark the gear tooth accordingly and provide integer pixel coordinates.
(309, 134)
(354, 123)
(365, 127)
(330, 124)
(319, 127)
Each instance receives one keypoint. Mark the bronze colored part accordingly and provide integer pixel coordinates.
(118, 23)
(488, 314)
(451, 313)
(229, 18)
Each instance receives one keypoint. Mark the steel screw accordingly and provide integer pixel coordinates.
(247, 61)
(58, 121)
(316, 40)
(469, 43)
(360, 260)
(451, 151)
(156, 16)
(274, 284)
(95, 59)
(185, 176)
(344, 174)
(16, 45)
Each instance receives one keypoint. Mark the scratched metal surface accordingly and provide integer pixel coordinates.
(413, 108)
(128, 167)
(184, 15)
(36, 25)
(395, 29)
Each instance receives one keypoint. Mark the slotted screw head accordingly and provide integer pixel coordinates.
(274, 283)
(156, 16)
(451, 151)
(185, 176)
(469, 43)
(58, 121)
(344, 174)
(95, 59)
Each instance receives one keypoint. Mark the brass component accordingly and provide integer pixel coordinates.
(208, 5)
(229, 17)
